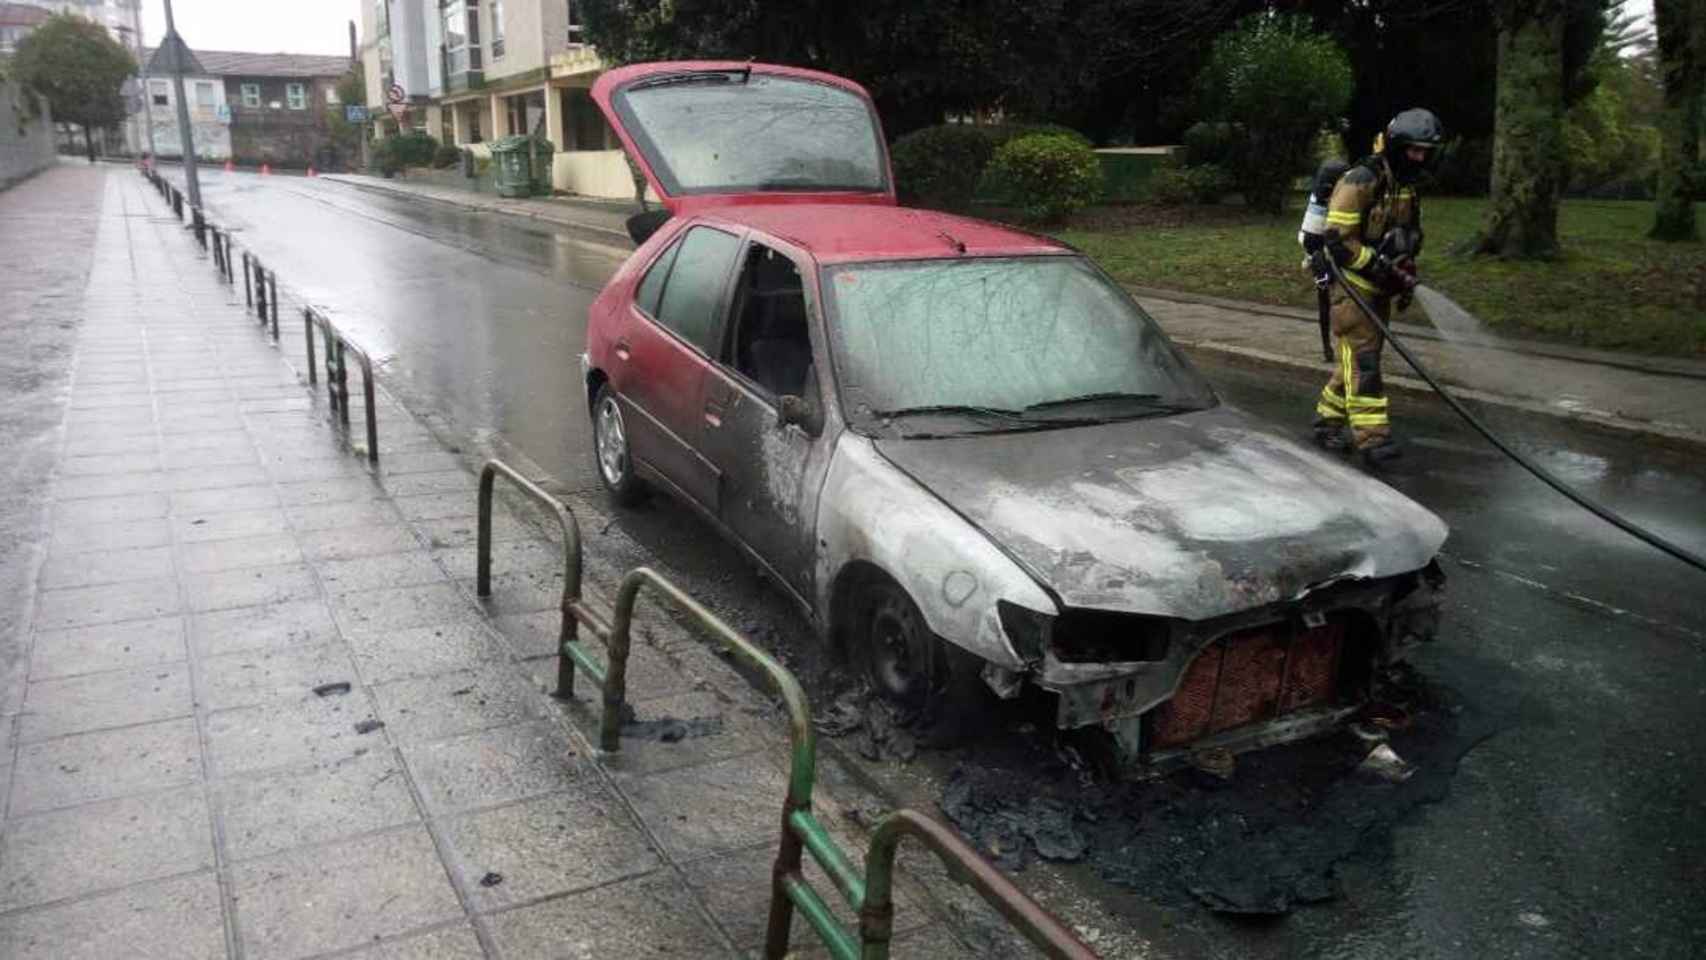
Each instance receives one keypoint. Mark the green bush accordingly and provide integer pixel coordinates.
(1202, 183)
(383, 158)
(446, 156)
(1275, 83)
(1001, 134)
(1047, 175)
(416, 149)
(939, 166)
(1211, 142)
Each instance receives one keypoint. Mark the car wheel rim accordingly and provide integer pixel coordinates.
(898, 657)
(612, 443)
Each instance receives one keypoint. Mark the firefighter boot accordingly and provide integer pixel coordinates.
(1331, 434)
(1379, 450)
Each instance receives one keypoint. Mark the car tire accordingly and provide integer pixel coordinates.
(903, 660)
(614, 460)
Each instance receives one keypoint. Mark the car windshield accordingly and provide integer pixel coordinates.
(1002, 343)
(716, 132)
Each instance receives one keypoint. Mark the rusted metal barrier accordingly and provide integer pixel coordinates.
(248, 288)
(870, 893)
(569, 653)
(198, 225)
(337, 352)
(265, 299)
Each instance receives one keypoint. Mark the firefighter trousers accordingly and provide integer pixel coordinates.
(1355, 393)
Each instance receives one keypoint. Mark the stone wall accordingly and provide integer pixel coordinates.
(26, 145)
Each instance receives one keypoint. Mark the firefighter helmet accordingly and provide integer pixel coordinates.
(1413, 128)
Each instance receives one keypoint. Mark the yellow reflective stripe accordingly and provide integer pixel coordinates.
(1362, 258)
(1359, 282)
(1328, 413)
(1331, 399)
(1370, 420)
(1356, 402)
(1344, 218)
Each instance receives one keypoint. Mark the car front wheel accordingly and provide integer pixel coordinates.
(903, 659)
(610, 440)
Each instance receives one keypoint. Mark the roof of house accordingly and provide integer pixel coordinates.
(232, 63)
(22, 15)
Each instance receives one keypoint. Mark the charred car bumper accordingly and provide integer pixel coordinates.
(1266, 676)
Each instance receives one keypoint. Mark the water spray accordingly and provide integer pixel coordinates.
(1545, 476)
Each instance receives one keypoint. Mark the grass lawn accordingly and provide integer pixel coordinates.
(1613, 288)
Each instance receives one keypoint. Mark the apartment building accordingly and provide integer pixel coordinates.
(252, 107)
(475, 70)
(120, 17)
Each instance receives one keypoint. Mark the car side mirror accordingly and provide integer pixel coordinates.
(641, 226)
(803, 412)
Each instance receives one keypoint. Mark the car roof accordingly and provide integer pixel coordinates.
(847, 232)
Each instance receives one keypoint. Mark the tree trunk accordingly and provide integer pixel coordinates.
(89, 141)
(1528, 136)
(1682, 62)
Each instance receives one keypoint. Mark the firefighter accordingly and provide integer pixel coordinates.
(1374, 233)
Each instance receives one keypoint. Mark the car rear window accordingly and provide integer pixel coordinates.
(731, 133)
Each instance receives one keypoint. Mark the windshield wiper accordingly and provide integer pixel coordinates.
(1010, 421)
(1152, 401)
(1017, 415)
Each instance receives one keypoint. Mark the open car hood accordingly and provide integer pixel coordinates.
(1194, 515)
(714, 133)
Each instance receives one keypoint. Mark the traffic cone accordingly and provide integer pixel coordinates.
(230, 167)
(266, 169)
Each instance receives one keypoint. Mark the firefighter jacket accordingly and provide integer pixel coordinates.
(1366, 206)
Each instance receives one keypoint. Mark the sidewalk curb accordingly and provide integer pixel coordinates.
(1653, 366)
(1415, 387)
(601, 235)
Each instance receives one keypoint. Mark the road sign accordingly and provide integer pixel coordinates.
(396, 93)
(173, 56)
(399, 112)
(355, 114)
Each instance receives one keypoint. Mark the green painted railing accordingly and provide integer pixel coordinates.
(869, 892)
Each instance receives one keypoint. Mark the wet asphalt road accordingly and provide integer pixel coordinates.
(1574, 830)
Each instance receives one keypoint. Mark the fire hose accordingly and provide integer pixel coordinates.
(1545, 476)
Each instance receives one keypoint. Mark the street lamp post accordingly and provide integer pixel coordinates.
(180, 53)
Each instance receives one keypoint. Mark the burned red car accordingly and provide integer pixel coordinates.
(958, 445)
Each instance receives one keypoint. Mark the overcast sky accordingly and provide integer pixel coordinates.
(257, 26)
(315, 26)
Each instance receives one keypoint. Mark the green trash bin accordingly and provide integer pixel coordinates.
(514, 173)
(542, 151)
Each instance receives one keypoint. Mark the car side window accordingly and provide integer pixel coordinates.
(771, 345)
(651, 288)
(692, 295)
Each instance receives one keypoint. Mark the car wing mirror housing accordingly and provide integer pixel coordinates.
(804, 412)
(641, 226)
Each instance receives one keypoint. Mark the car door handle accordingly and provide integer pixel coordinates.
(623, 352)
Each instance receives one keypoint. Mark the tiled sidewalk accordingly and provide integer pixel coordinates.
(179, 789)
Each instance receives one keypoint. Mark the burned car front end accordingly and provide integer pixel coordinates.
(1212, 584)
(1165, 687)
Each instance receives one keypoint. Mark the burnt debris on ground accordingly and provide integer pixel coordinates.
(667, 729)
(1264, 841)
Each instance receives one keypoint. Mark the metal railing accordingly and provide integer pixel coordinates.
(264, 302)
(869, 893)
(260, 295)
(337, 352)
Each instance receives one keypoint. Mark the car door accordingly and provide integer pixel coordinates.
(713, 133)
(769, 474)
(661, 356)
